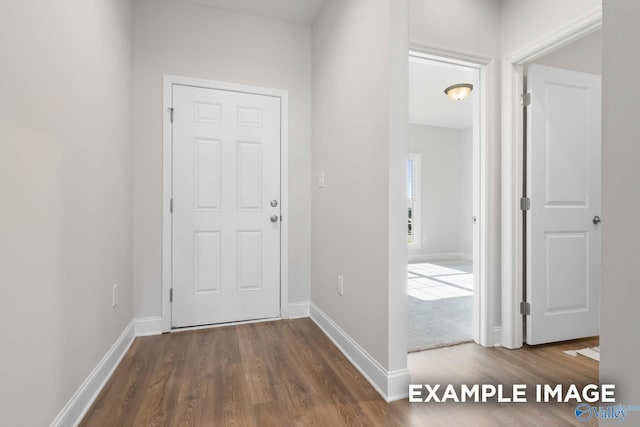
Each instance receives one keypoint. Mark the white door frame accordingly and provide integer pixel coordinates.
(512, 163)
(167, 171)
(482, 330)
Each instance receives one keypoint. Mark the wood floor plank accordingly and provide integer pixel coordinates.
(120, 398)
(258, 378)
(288, 373)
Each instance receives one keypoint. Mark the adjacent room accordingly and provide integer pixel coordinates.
(440, 203)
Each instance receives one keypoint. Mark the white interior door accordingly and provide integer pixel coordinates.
(226, 206)
(564, 185)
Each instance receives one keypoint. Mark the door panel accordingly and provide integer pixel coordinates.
(226, 171)
(207, 254)
(249, 176)
(207, 174)
(567, 279)
(563, 183)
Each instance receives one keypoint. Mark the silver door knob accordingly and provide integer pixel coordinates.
(274, 218)
(596, 220)
(274, 203)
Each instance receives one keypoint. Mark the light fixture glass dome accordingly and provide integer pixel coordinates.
(459, 92)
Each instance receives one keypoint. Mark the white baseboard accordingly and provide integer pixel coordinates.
(391, 385)
(422, 257)
(145, 326)
(497, 336)
(468, 257)
(298, 309)
(83, 398)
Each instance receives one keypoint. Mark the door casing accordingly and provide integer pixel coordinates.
(167, 171)
(512, 163)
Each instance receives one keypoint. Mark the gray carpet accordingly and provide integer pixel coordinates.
(439, 323)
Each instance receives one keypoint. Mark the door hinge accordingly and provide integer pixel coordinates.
(525, 99)
(171, 205)
(171, 295)
(525, 204)
(525, 308)
(171, 114)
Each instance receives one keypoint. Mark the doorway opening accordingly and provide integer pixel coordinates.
(445, 220)
(562, 183)
(551, 182)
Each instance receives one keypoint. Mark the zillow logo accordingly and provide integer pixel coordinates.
(584, 412)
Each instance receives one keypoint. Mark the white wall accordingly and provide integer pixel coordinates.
(466, 176)
(477, 31)
(585, 55)
(446, 189)
(471, 26)
(524, 21)
(397, 149)
(360, 142)
(174, 37)
(619, 320)
(65, 174)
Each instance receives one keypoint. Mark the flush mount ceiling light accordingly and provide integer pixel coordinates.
(459, 92)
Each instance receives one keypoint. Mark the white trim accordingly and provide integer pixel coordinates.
(483, 294)
(83, 398)
(167, 194)
(573, 30)
(298, 309)
(284, 203)
(168, 82)
(145, 326)
(512, 129)
(511, 217)
(391, 385)
(416, 257)
(448, 56)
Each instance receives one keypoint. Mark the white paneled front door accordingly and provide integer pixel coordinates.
(564, 185)
(226, 206)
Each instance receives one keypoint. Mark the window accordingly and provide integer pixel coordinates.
(413, 201)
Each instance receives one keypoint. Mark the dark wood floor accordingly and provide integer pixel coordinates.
(288, 373)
